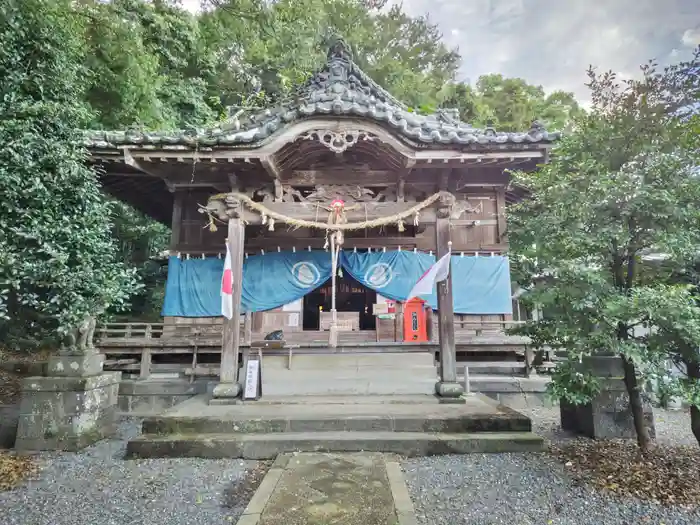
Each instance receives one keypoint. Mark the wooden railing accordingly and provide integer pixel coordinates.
(131, 346)
(480, 328)
(129, 331)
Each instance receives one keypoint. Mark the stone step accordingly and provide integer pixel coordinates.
(495, 383)
(268, 446)
(509, 368)
(342, 375)
(320, 384)
(359, 422)
(368, 372)
(353, 360)
(368, 401)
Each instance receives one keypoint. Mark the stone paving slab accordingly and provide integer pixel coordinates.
(343, 489)
(375, 405)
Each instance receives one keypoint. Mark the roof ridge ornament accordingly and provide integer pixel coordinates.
(339, 49)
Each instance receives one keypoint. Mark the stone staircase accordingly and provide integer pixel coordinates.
(349, 374)
(411, 425)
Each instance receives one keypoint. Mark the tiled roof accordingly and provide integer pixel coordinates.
(340, 89)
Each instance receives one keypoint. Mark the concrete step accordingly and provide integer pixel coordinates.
(357, 422)
(268, 446)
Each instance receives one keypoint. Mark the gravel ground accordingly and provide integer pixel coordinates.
(98, 487)
(524, 489)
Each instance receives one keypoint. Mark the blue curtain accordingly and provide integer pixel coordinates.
(193, 288)
(480, 285)
(279, 278)
(392, 274)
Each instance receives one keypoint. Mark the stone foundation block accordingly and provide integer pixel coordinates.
(607, 416)
(67, 413)
(78, 365)
(9, 414)
(448, 390)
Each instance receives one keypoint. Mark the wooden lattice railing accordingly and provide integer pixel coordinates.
(129, 331)
(132, 346)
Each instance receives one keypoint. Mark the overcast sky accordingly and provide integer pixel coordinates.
(552, 42)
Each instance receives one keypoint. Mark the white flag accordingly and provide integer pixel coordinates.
(227, 287)
(436, 273)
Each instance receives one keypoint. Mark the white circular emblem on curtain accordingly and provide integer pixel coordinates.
(379, 275)
(305, 274)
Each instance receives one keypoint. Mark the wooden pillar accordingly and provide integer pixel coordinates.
(501, 214)
(229, 387)
(176, 227)
(447, 387)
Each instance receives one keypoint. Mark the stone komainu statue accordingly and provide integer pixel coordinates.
(82, 337)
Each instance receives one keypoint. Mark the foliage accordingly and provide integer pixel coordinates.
(147, 65)
(140, 242)
(621, 186)
(666, 475)
(58, 259)
(573, 384)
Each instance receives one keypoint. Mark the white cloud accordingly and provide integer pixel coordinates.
(552, 43)
(192, 5)
(691, 38)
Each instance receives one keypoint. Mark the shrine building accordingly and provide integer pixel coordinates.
(333, 204)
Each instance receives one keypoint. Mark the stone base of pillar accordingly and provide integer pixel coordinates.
(608, 415)
(226, 394)
(449, 392)
(71, 409)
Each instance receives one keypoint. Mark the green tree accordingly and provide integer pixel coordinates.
(58, 259)
(622, 185)
(140, 242)
(284, 42)
(148, 65)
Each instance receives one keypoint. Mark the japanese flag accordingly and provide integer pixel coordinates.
(227, 287)
(436, 273)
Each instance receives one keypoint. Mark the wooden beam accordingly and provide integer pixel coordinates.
(229, 386)
(129, 160)
(311, 212)
(401, 180)
(342, 176)
(316, 243)
(176, 226)
(270, 165)
(501, 214)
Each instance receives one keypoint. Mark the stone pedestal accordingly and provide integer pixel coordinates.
(608, 415)
(71, 408)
